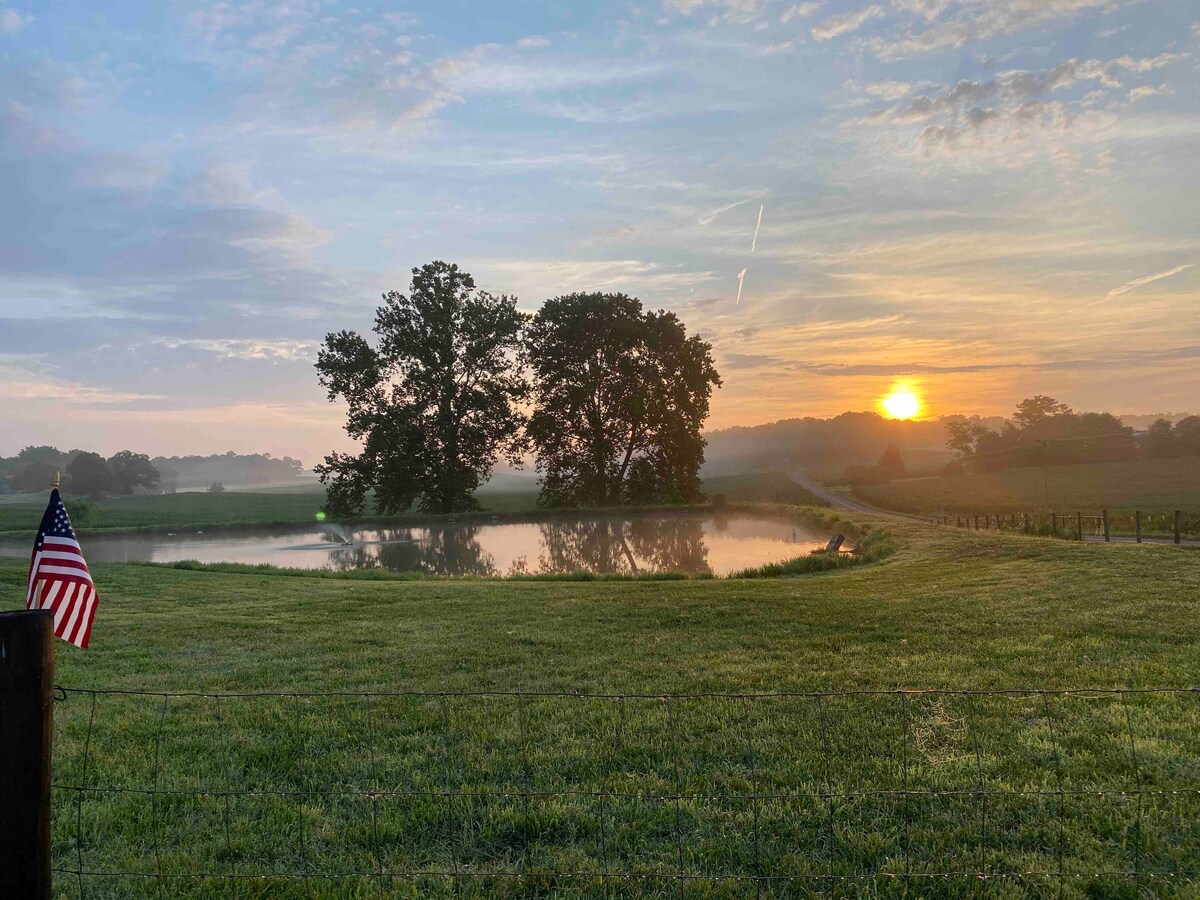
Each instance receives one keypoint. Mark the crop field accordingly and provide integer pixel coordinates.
(1156, 486)
(370, 762)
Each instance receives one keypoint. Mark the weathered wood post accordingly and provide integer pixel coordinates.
(1013, 521)
(1104, 516)
(26, 729)
(1137, 525)
(1078, 526)
(1178, 529)
(977, 523)
(987, 522)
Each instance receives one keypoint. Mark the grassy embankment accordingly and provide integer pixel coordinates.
(949, 609)
(1156, 487)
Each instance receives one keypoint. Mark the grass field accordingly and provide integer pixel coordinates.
(761, 487)
(21, 514)
(332, 785)
(1156, 486)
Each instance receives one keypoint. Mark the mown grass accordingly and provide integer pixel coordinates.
(1154, 486)
(395, 783)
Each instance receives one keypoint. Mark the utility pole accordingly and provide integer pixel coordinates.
(1045, 474)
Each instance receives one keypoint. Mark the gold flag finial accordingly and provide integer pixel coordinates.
(57, 479)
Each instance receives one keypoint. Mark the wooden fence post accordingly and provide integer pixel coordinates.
(1178, 530)
(1078, 526)
(1137, 525)
(1104, 515)
(977, 523)
(27, 698)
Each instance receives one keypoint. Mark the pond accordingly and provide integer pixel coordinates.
(690, 542)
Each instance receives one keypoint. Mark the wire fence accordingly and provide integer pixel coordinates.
(1136, 525)
(929, 793)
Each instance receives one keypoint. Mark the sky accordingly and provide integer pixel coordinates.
(983, 199)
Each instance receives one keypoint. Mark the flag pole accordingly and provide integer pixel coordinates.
(56, 480)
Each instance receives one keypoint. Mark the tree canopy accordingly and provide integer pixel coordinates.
(435, 403)
(1042, 430)
(131, 471)
(88, 475)
(620, 396)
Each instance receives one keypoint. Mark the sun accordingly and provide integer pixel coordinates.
(901, 404)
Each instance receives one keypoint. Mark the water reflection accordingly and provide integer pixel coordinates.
(620, 546)
(660, 542)
(438, 550)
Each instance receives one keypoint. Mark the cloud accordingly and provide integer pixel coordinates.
(12, 21)
(950, 24)
(846, 23)
(1136, 283)
(1010, 108)
(737, 11)
(798, 11)
(748, 361)
(1143, 91)
(270, 350)
(534, 41)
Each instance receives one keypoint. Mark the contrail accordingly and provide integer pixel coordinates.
(707, 220)
(754, 243)
(1146, 279)
(741, 278)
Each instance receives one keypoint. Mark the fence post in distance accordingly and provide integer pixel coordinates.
(1079, 526)
(1137, 525)
(1178, 529)
(27, 698)
(1104, 516)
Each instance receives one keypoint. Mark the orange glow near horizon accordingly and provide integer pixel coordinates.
(901, 403)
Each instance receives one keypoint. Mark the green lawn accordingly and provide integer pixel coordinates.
(420, 783)
(768, 486)
(1155, 486)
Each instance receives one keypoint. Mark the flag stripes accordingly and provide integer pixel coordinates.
(59, 579)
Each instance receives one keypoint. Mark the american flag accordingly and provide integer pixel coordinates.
(58, 576)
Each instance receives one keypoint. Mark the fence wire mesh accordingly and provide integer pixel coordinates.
(931, 793)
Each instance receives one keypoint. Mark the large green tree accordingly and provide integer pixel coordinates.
(620, 396)
(131, 471)
(89, 475)
(435, 403)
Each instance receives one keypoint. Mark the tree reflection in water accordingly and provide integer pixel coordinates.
(612, 546)
(451, 549)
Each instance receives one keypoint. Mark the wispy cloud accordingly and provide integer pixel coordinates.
(1136, 283)
(846, 23)
(12, 20)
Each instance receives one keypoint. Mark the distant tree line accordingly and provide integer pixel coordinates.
(1041, 431)
(89, 474)
(1166, 440)
(609, 398)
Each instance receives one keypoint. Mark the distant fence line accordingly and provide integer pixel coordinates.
(937, 792)
(1175, 524)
